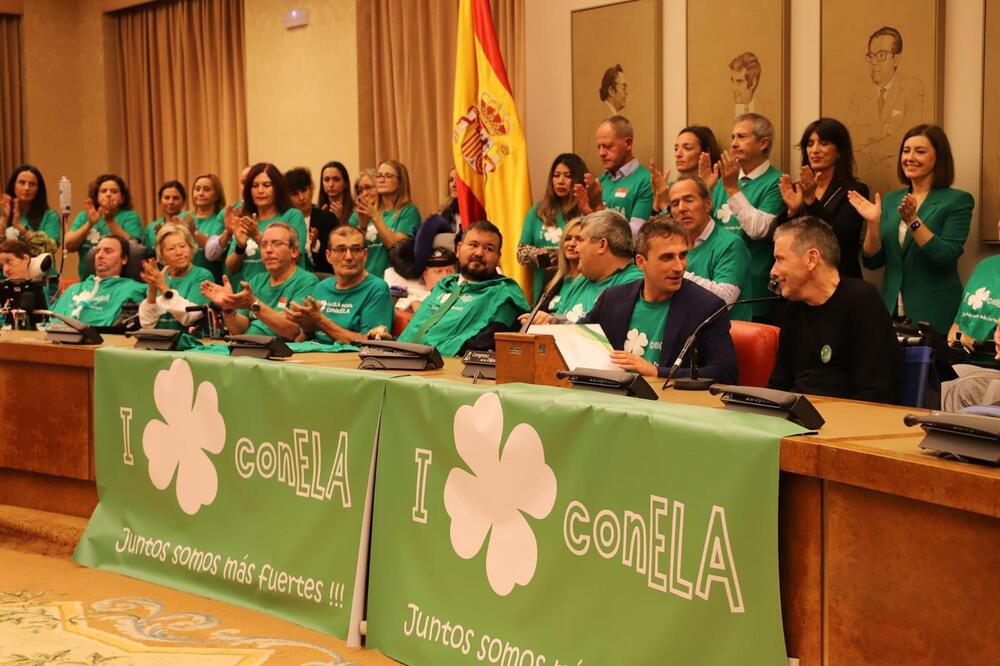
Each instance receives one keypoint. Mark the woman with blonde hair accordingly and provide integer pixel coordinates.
(388, 217)
(176, 286)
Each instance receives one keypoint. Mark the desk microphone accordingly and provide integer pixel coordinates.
(693, 383)
(542, 300)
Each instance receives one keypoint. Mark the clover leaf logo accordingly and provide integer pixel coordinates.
(554, 302)
(191, 426)
(635, 342)
(371, 233)
(977, 299)
(724, 213)
(553, 234)
(252, 247)
(491, 501)
(576, 313)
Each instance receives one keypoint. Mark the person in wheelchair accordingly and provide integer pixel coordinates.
(99, 299)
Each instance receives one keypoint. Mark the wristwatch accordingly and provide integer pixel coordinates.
(255, 308)
(916, 224)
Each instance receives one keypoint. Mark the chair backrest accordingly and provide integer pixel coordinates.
(756, 351)
(400, 321)
(133, 267)
(914, 384)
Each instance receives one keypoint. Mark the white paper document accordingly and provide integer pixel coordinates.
(581, 345)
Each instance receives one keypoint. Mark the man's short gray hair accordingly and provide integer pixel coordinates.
(810, 232)
(621, 125)
(762, 128)
(612, 226)
(293, 235)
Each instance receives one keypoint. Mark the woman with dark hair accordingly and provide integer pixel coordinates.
(107, 212)
(918, 233)
(171, 196)
(696, 151)
(26, 210)
(544, 223)
(826, 176)
(335, 191)
(391, 218)
(265, 201)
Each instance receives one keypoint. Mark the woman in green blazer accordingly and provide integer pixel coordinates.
(918, 232)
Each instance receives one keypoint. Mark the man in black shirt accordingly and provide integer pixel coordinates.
(836, 336)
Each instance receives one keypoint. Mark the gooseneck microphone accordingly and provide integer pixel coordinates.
(542, 300)
(694, 383)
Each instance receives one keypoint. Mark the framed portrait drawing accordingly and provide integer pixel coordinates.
(734, 71)
(989, 199)
(619, 76)
(880, 74)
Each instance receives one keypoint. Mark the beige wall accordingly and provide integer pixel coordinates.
(549, 111)
(302, 91)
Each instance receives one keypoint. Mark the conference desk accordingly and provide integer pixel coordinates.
(888, 554)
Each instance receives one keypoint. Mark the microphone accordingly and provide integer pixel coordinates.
(694, 383)
(542, 300)
(75, 324)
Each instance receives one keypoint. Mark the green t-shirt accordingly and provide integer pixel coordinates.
(763, 194)
(455, 311)
(405, 221)
(189, 287)
(361, 308)
(153, 228)
(537, 234)
(98, 301)
(252, 264)
(645, 329)
(723, 258)
(632, 196)
(980, 307)
(126, 219)
(295, 288)
(213, 225)
(583, 293)
(565, 288)
(48, 225)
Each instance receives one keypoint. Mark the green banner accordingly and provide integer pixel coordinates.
(246, 481)
(530, 526)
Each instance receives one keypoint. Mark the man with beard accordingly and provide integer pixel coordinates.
(464, 310)
(98, 299)
(350, 305)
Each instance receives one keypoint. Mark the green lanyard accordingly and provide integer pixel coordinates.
(433, 319)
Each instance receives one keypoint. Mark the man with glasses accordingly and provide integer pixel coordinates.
(352, 305)
(883, 111)
(259, 309)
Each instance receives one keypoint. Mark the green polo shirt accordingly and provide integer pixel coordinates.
(723, 258)
(361, 308)
(645, 329)
(763, 194)
(632, 195)
(126, 219)
(583, 293)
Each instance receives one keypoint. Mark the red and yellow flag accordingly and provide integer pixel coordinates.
(491, 157)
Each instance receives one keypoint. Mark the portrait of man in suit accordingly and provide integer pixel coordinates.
(883, 108)
(614, 90)
(744, 75)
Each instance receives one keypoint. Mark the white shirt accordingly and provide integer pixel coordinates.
(756, 223)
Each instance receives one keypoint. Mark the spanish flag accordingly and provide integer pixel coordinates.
(491, 157)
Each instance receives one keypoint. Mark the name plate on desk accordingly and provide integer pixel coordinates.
(528, 358)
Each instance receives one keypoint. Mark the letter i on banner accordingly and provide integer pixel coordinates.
(423, 459)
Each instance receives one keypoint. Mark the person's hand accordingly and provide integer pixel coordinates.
(706, 171)
(633, 363)
(728, 168)
(541, 318)
(871, 211)
(996, 340)
(807, 184)
(220, 295)
(245, 298)
(365, 209)
(93, 213)
(307, 314)
(188, 222)
(380, 333)
(313, 235)
(337, 208)
(791, 194)
(908, 208)
(661, 189)
(231, 218)
(153, 276)
(249, 228)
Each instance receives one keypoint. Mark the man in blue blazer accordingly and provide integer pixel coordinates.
(647, 321)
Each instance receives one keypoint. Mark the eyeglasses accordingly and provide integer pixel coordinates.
(878, 56)
(385, 176)
(274, 243)
(341, 250)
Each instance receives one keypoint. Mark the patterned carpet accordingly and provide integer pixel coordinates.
(53, 611)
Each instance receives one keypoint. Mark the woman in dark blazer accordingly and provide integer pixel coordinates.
(827, 175)
(919, 232)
